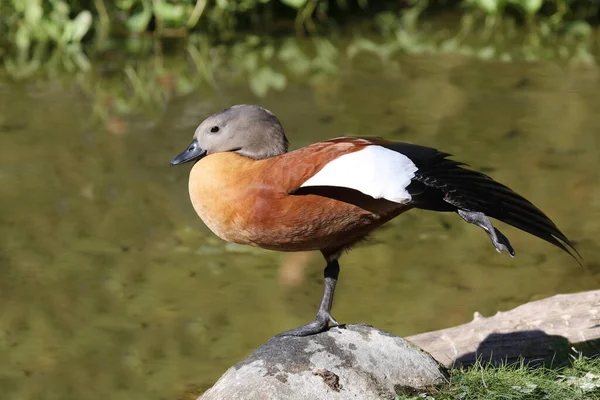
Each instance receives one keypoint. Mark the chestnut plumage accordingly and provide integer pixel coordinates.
(330, 195)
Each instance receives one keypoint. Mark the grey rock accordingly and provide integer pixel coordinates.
(351, 362)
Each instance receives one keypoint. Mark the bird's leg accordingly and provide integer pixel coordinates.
(321, 323)
(499, 241)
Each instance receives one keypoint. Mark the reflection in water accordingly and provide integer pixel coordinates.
(113, 288)
(292, 269)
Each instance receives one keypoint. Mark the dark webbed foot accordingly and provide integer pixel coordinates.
(499, 241)
(321, 323)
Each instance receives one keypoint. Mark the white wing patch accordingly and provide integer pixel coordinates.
(375, 171)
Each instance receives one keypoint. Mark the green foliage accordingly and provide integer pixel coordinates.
(297, 4)
(59, 33)
(34, 31)
(167, 15)
(33, 26)
(556, 11)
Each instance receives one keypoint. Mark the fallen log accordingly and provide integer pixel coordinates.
(544, 331)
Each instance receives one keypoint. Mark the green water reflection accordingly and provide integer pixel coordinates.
(112, 288)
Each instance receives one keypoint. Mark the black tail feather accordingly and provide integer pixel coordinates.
(439, 178)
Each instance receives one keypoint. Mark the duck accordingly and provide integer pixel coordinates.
(329, 196)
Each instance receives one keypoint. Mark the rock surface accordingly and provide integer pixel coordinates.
(356, 361)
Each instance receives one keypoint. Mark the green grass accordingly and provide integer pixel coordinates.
(580, 380)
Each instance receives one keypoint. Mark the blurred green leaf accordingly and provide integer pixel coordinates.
(297, 4)
(78, 27)
(33, 12)
(362, 44)
(223, 4)
(297, 62)
(60, 8)
(52, 30)
(167, 11)
(264, 79)
(580, 28)
(22, 38)
(82, 62)
(21, 69)
(491, 7)
(268, 52)
(250, 61)
(532, 6)
(125, 4)
(486, 53)
(138, 22)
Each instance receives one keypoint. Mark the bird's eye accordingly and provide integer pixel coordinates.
(214, 129)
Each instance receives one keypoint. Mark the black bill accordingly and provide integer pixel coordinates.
(192, 153)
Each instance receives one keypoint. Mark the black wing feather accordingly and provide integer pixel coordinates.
(442, 184)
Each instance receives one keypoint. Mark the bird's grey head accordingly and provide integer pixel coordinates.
(249, 130)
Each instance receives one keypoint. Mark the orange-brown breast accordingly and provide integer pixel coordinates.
(257, 202)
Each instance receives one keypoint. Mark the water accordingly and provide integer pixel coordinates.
(112, 288)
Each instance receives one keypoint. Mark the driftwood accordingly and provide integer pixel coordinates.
(544, 331)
